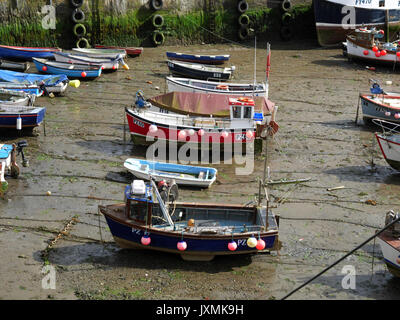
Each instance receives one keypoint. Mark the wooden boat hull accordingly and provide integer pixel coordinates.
(196, 72)
(391, 253)
(182, 174)
(195, 58)
(379, 107)
(31, 116)
(130, 51)
(78, 71)
(390, 148)
(198, 249)
(200, 86)
(26, 53)
(332, 25)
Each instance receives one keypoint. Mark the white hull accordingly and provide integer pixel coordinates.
(390, 254)
(111, 64)
(357, 51)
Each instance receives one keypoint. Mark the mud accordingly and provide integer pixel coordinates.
(79, 160)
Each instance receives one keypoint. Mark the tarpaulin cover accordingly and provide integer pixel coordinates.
(31, 78)
(195, 103)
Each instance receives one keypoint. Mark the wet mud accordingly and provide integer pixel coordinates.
(79, 159)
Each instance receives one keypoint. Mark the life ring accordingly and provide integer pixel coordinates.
(243, 6)
(287, 18)
(79, 30)
(78, 16)
(245, 99)
(85, 42)
(222, 87)
(156, 4)
(243, 33)
(286, 5)
(244, 20)
(158, 38)
(286, 33)
(158, 21)
(76, 3)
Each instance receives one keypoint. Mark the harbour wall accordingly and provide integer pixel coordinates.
(148, 23)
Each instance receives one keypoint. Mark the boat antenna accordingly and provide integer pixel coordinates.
(255, 63)
(267, 69)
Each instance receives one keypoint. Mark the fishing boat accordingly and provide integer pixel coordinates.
(389, 142)
(335, 19)
(201, 86)
(106, 64)
(51, 83)
(379, 104)
(26, 53)
(130, 51)
(365, 44)
(16, 98)
(21, 117)
(182, 174)
(8, 162)
(152, 218)
(389, 241)
(197, 58)
(102, 53)
(12, 65)
(31, 89)
(244, 122)
(199, 71)
(72, 70)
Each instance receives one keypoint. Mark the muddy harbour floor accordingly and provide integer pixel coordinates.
(79, 160)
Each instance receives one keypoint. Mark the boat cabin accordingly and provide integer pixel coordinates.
(366, 37)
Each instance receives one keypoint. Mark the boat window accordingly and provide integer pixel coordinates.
(138, 211)
(236, 111)
(247, 113)
(382, 3)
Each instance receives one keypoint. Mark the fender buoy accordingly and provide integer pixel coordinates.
(243, 33)
(244, 20)
(245, 99)
(243, 6)
(79, 30)
(287, 19)
(82, 43)
(286, 5)
(78, 16)
(76, 3)
(286, 33)
(158, 21)
(222, 87)
(158, 38)
(156, 4)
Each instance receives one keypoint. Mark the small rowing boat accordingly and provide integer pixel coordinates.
(102, 53)
(72, 70)
(26, 53)
(106, 64)
(199, 71)
(130, 51)
(16, 98)
(21, 117)
(198, 58)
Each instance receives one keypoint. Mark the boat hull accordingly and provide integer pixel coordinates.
(82, 73)
(363, 53)
(204, 59)
(106, 64)
(182, 70)
(30, 119)
(390, 150)
(333, 26)
(203, 249)
(130, 51)
(372, 109)
(26, 53)
(391, 253)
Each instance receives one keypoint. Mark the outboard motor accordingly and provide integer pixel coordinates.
(20, 148)
(376, 88)
(141, 101)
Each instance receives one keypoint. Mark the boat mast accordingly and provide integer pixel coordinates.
(255, 63)
(267, 69)
(161, 202)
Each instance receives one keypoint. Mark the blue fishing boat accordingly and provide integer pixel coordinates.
(151, 218)
(31, 89)
(187, 175)
(52, 83)
(71, 70)
(26, 53)
(21, 117)
(200, 71)
(197, 58)
(8, 163)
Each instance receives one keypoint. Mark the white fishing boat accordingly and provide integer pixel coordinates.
(102, 53)
(185, 175)
(202, 86)
(389, 142)
(389, 241)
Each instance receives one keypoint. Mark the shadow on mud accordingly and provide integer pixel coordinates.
(366, 173)
(110, 256)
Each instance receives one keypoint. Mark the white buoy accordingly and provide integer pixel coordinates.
(19, 123)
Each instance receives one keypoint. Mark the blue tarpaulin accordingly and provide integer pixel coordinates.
(31, 78)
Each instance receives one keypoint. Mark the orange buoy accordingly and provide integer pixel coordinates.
(222, 87)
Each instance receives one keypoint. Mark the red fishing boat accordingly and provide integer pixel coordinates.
(131, 51)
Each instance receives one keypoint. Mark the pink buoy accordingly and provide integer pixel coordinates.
(387, 114)
(44, 68)
(375, 49)
(365, 52)
(102, 67)
(153, 128)
(83, 74)
(383, 53)
(182, 134)
(224, 134)
(145, 240)
(232, 246)
(260, 244)
(191, 132)
(249, 134)
(381, 31)
(181, 245)
(251, 242)
(201, 132)
(397, 115)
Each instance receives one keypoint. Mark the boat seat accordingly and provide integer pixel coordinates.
(144, 167)
(201, 175)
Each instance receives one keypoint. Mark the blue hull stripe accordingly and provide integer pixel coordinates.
(10, 120)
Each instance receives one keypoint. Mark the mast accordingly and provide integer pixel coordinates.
(267, 69)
